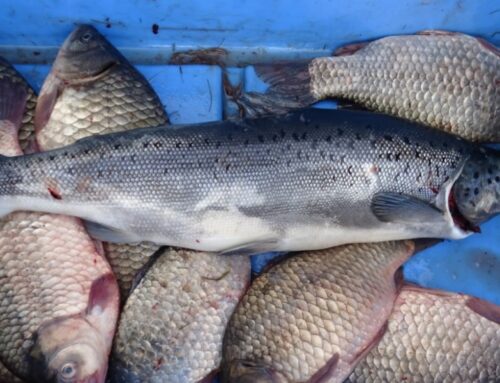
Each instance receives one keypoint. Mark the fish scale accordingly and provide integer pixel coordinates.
(118, 99)
(172, 325)
(314, 309)
(27, 130)
(449, 81)
(271, 181)
(435, 337)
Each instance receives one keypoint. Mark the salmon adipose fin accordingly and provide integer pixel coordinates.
(289, 88)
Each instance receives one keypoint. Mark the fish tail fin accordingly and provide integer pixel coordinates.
(289, 88)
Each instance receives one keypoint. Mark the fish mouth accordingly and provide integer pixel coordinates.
(458, 219)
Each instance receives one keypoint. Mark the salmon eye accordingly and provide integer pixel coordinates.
(68, 371)
(86, 37)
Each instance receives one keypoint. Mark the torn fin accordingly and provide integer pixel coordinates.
(485, 309)
(13, 98)
(395, 207)
(251, 248)
(107, 234)
(289, 88)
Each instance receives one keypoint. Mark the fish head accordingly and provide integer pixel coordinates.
(477, 190)
(243, 371)
(85, 54)
(69, 350)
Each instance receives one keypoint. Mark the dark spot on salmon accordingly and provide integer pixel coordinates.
(497, 179)
(349, 170)
(133, 158)
(207, 141)
(246, 142)
(406, 140)
(329, 139)
(260, 138)
(304, 136)
(322, 154)
(158, 144)
(155, 28)
(117, 146)
(340, 132)
(398, 156)
(476, 175)
(145, 144)
(295, 136)
(165, 171)
(476, 191)
(275, 138)
(54, 194)
(227, 167)
(178, 144)
(358, 136)
(282, 133)
(417, 154)
(387, 137)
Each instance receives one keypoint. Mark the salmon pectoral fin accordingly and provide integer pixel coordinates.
(324, 374)
(485, 309)
(107, 234)
(50, 92)
(395, 207)
(12, 101)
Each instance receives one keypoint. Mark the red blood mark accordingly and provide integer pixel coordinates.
(458, 218)
(54, 193)
(155, 307)
(434, 189)
(95, 261)
(374, 169)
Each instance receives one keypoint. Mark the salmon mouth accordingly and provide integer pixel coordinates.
(458, 219)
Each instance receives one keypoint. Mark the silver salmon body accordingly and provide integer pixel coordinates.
(308, 180)
(446, 80)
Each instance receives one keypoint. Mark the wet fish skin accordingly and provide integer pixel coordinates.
(435, 336)
(344, 176)
(98, 92)
(27, 130)
(446, 80)
(58, 299)
(314, 315)
(173, 323)
(92, 89)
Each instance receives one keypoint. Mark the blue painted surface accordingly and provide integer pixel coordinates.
(31, 31)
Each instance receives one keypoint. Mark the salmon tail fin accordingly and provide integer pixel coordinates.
(13, 98)
(289, 88)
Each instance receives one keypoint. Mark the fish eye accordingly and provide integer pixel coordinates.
(86, 37)
(68, 371)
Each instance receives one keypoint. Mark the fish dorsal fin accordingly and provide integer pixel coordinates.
(485, 309)
(396, 207)
(251, 248)
(108, 234)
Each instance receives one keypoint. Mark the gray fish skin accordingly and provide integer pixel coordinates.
(308, 180)
(434, 336)
(450, 81)
(92, 89)
(172, 326)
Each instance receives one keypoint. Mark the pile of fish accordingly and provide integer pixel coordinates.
(125, 242)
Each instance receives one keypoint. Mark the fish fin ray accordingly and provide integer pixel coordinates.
(372, 343)
(251, 248)
(485, 309)
(324, 374)
(289, 88)
(50, 92)
(13, 98)
(107, 234)
(349, 49)
(395, 207)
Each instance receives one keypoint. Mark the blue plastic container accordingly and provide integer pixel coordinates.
(148, 32)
